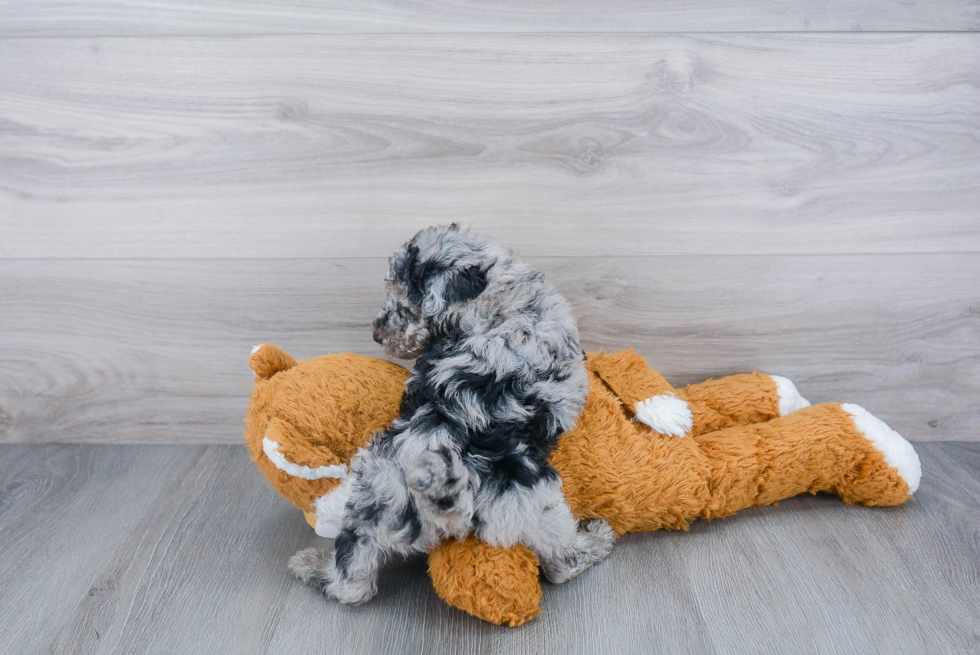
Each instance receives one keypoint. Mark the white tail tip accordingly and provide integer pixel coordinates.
(899, 453)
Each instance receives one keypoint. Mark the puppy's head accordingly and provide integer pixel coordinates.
(440, 266)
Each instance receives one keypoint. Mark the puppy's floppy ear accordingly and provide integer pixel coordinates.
(465, 284)
(452, 286)
(412, 272)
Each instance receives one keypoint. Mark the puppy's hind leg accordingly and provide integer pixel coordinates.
(594, 540)
(540, 519)
(565, 547)
(350, 574)
(313, 566)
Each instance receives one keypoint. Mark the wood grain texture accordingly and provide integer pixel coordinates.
(198, 565)
(597, 145)
(200, 573)
(63, 511)
(155, 351)
(224, 17)
(803, 573)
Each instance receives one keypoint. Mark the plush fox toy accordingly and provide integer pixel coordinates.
(643, 456)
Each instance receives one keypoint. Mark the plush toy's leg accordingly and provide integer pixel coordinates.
(350, 574)
(841, 449)
(740, 400)
(719, 404)
(496, 584)
(699, 408)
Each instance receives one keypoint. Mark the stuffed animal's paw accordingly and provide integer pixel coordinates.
(790, 399)
(496, 584)
(666, 414)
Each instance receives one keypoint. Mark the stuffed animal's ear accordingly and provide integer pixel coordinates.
(499, 585)
(267, 360)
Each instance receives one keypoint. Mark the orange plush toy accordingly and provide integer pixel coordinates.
(643, 456)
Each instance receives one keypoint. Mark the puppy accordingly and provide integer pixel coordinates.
(500, 375)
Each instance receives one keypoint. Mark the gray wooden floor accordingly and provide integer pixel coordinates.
(182, 549)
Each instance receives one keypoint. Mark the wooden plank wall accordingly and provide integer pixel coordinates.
(791, 187)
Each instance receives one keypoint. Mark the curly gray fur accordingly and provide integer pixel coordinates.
(500, 375)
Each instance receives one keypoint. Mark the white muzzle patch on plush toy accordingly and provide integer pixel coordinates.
(666, 414)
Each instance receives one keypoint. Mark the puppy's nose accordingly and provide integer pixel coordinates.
(377, 337)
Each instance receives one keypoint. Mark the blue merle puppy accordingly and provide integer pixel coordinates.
(499, 376)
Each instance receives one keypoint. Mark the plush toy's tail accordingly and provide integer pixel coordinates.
(840, 449)
(267, 360)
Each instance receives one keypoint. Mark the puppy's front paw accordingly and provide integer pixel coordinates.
(593, 542)
(313, 566)
(354, 591)
(596, 537)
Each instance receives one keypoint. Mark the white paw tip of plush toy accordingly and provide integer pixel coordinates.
(899, 453)
(790, 399)
(666, 414)
(256, 349)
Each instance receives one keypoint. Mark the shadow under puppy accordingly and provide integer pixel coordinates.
(500, 375)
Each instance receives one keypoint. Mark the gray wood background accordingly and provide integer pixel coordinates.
(791, 187)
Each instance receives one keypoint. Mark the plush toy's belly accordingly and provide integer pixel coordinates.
(619, 470)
